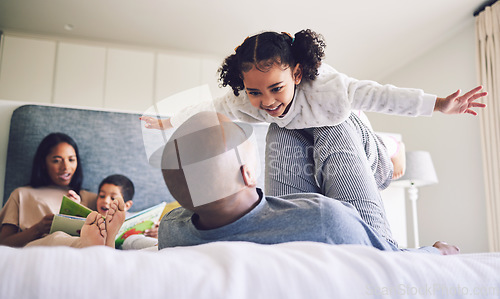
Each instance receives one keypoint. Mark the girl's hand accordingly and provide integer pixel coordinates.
(74, 196)
(456, 104)
(153, 231)
(156, 123)
(43, 227)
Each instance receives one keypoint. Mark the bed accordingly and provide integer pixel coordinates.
(216, 270)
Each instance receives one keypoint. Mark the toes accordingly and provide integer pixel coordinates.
(116, 205)
(102, 226)
(91, 218)
(396, 175)
(119, 204)
(100, 222)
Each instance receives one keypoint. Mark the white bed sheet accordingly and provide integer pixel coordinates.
(245, 270)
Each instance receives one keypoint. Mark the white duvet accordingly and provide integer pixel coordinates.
(245, 270)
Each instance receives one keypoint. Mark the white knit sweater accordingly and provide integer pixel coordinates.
(326, 101)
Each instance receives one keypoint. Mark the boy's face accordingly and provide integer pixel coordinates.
(272, 90)
(107, 194)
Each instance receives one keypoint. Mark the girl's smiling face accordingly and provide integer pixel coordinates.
(272, 90)
(61, 164)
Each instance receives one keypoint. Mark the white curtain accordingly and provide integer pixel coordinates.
(488, 62)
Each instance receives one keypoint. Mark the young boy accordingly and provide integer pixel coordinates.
(114, 198)
(118, 185)
(111, 187)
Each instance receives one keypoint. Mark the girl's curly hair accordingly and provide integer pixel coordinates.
(265, 49)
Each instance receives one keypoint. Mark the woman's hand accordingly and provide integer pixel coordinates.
(43, 226)
(153, 231)
(11, 235)
(456, 104)
(156, 123)
(74, 196)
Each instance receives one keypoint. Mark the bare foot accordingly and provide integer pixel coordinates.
(114, 220)
(446, 249)
(93, 231)
(399, 161)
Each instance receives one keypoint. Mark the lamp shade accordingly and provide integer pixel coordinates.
(419, 170)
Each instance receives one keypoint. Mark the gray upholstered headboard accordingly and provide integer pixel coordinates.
(109, 142)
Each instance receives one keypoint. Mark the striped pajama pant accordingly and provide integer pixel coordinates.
(347, 162)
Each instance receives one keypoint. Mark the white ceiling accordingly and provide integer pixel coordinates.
(366, 39)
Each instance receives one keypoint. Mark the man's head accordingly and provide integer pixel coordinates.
(209, 158)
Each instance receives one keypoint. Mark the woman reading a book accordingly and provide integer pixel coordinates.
(56, 171)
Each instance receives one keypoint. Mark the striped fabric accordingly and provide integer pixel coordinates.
(347, 162)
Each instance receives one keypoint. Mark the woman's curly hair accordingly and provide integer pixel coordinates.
(265, 49)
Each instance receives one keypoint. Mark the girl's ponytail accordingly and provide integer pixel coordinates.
(308, 49)
(230, 74)
(265, 49)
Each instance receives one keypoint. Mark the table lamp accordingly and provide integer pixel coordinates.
(419, 172)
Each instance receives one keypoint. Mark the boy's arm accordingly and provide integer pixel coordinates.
(153, 231)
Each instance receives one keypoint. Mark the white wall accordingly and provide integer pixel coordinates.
(60, 71)
(49, 70)
(6, 109)
(454, 210)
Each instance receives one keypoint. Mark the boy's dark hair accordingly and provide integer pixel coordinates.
(121, 181)
(267, 48)
(39, 174)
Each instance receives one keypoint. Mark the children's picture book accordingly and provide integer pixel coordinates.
(72, 225)
(71, 217)
(139, 222)
(72, 208)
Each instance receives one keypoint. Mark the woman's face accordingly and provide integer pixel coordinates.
(61, 164)
(273, 89)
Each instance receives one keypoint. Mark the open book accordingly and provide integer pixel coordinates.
(71, 217)
(139, 222)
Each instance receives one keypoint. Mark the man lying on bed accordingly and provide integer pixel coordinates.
(210, 166)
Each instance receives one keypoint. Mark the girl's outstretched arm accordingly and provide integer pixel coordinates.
(458, 104)
(156, 123)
